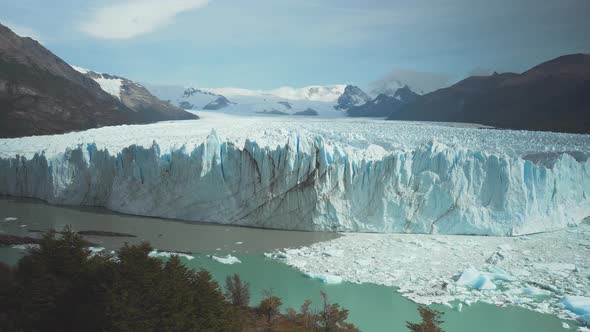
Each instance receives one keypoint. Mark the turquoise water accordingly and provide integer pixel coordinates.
(372, 307)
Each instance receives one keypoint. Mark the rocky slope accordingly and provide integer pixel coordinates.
(42, 94)
(136, 97)
(352, 96)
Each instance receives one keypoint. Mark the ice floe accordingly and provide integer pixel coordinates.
(579, 305)
(326, 278)
(25, 246)
(228, 259)
(546, 272)
(168, 254)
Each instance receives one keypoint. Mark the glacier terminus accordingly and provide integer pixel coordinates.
(313, 174)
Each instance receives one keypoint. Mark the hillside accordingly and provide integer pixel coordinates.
(41, 94)
(553, 96)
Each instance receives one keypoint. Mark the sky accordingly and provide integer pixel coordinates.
(264, 44)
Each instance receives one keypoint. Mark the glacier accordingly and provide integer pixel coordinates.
(316, 176)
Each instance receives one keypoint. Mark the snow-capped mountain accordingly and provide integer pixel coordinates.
(390, 87)
(312, 100)
(133, 95)
(405, 94)
(352, 96)
(197, 97)
(217, 104)
(321, 93)
(419, 82)
(384, 105)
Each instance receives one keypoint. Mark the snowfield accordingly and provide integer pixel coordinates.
(313, 174)
(548, 272)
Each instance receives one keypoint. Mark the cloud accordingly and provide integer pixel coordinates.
(421, 82)
(23, 31)
(131, 18)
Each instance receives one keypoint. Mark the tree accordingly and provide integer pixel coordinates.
(61, 286)
(269, 306)
(431, 319)
(212, 310)
(53, 284)
(307, 318)
(332, 318)
(236, 291)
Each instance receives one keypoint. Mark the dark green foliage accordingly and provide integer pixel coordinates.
(431, 320)
(236, 291)
(62, 287)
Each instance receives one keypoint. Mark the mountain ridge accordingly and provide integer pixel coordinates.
(42, 94)
(552, 96)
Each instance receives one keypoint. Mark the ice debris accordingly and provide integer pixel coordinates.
(168, 254)
(228, 259)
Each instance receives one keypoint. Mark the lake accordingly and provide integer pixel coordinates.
(372, 307)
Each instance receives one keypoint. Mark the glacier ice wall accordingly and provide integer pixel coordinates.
(309, 185)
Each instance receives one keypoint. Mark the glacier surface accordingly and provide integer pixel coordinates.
(343, 175)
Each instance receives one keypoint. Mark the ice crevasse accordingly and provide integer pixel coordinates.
(307, 184)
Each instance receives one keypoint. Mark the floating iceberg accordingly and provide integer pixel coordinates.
(228, 259)
(168, 254)
(474, 279)
(579, 305)
(452, 269)
(304, 179)
(326, 278)
(25, 246)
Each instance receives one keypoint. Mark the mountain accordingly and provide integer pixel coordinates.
(219, 103)
(388, 87)
(384, 105)
(553, 96)
(136, 97)
(307, 112)
(405, 94)
(352, 96)
(284, 100)
(273, 112)
(420, 82)
(42, 94)
(197, 97)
